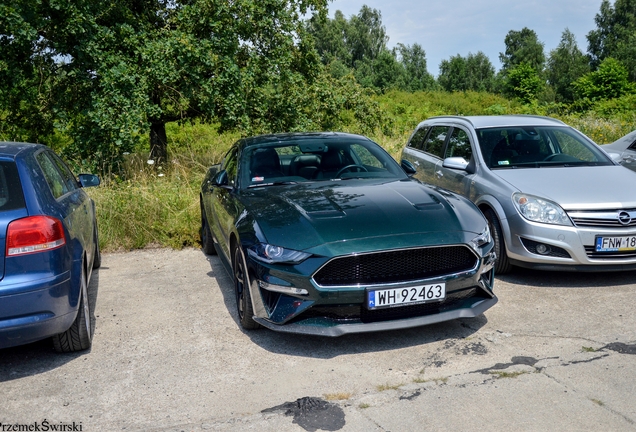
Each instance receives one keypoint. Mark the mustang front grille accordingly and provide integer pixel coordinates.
(395, 266)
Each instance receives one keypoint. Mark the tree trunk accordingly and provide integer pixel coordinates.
(158, 142)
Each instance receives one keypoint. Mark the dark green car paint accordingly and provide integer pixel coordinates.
(332, 218)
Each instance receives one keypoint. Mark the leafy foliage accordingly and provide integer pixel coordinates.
(609, 81)
(565, 65)
(615, 35)
(475, 72)
(109, 72)
(358, 46)
(415, 76)
(523, 82)
(522, 47)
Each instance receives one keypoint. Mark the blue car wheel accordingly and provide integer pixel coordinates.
(79, 336)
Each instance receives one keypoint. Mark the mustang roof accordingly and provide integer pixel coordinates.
(282, 137)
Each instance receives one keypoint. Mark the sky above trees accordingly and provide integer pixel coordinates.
(446, 28)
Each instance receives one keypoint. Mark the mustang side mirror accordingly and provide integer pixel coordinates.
(408, 167)
(221, 179)
(88, 180)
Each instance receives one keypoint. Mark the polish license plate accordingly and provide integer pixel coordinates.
(377, 299)
(615, 244)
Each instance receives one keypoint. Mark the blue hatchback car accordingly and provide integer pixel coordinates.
(49, 246)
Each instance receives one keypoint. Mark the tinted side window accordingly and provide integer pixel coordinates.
(434, 144)
(417, 140)
(459, 145)
(67, 175)
(231, 166)
(11, 196)
(53, 177)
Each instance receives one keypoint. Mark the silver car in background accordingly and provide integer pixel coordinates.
(623, 150)
(553, 199)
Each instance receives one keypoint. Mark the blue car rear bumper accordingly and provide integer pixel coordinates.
(35, 309)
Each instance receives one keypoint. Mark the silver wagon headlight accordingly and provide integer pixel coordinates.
(541, 210)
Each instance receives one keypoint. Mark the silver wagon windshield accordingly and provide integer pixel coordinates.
(537, 146)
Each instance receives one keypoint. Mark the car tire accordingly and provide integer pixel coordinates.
(207, 241)
(97, 256)
(79, 336)
(242, 292)
(502, 265)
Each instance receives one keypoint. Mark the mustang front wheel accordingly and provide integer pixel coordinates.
(242, 291)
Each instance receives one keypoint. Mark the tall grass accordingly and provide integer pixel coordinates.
(149, 205)
(158, 205)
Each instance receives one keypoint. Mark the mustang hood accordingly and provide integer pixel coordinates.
(385, 214)
(576, 188)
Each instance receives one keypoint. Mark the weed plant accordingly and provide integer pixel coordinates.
(157, 204)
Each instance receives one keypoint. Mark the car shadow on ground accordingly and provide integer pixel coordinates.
(39, 357)
(562, 279)
(330, 347)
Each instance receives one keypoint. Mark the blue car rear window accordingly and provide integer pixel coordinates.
(11, 195)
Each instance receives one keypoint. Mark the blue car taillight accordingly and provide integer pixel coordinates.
(34, 234)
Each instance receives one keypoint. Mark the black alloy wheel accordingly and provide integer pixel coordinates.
(242, 291)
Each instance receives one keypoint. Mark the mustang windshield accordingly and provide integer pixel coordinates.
(533, 147)
(306, 160)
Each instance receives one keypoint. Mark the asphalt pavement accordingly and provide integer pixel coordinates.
(556, 353)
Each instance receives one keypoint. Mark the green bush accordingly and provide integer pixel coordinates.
(148, 205)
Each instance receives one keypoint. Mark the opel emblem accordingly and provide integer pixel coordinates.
(624, 218)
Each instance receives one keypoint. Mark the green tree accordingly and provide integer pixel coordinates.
(615, 35)
(452, 74)
(331, 37)
(522, 47)
(565, 65)
(358, 44)
(367, 36)
(475, 72)
(415, 76)
(609, 81)
(361, 38)
(480, 72)
(523, 82)
(111, 71)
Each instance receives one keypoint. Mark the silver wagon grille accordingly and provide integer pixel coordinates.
(604, 218)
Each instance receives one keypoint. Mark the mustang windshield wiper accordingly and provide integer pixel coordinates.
(278, 183)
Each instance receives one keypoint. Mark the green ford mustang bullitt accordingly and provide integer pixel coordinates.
(325, 234)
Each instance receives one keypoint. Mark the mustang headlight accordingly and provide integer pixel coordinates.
(275, 254)
(482, 239)
(540, 210)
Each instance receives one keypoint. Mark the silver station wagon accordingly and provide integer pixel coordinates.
(553, 199)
